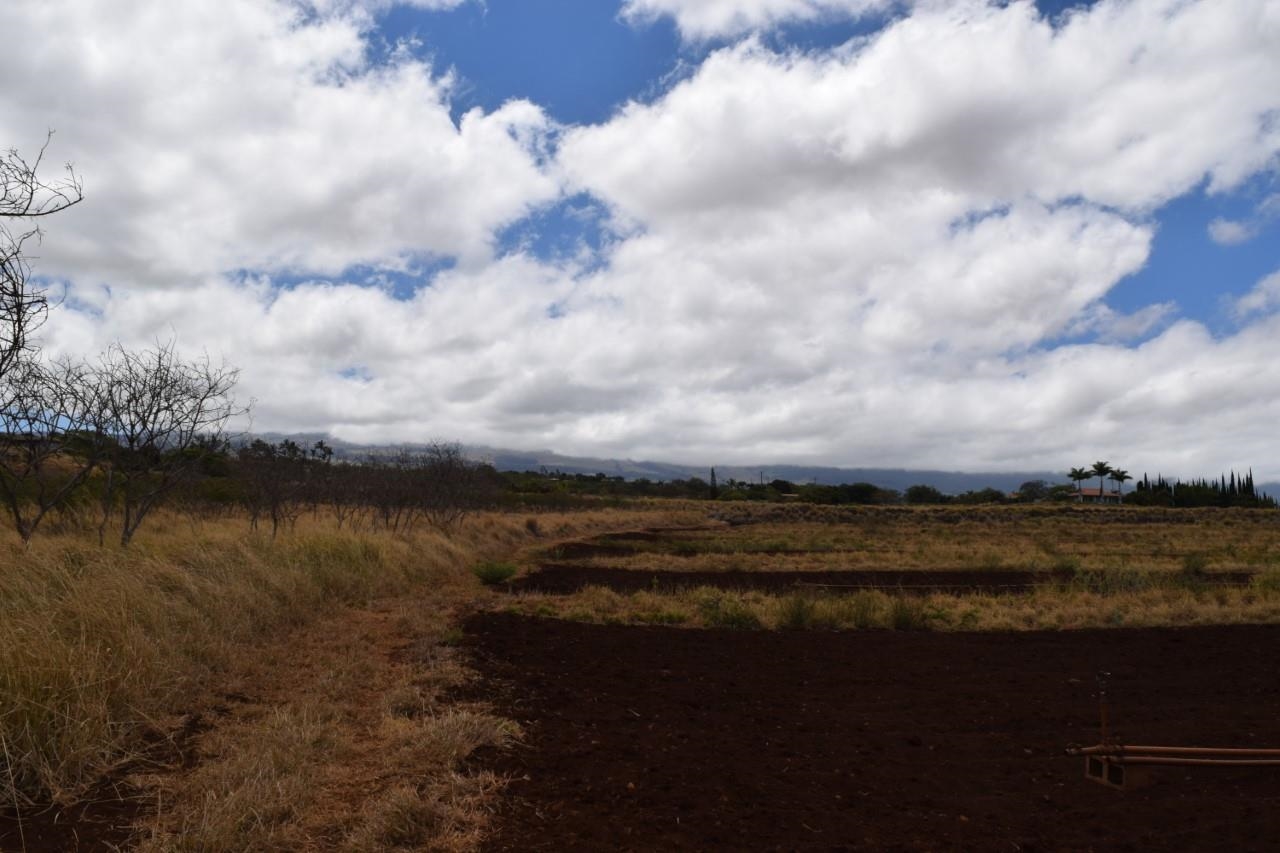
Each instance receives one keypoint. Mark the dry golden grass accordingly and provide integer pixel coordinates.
(348, 742)
(1035, 538)
(335, 642)
(1103, 567)
(1047, 609)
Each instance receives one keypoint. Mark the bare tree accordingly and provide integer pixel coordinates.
(164, 416)
(48, 447)
(343, 488)
(25, 198)
(450, 486)
(437, 484)
(389, 488)
(275, 481)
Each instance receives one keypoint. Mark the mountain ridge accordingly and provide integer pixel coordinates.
(507, 459)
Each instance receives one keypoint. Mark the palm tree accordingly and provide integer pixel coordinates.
(1101, 470)
(1078, 476)
(1120, 475)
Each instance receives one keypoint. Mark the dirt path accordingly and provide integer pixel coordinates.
(318, 741)
(649, 738)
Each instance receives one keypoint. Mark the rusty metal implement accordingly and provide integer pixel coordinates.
(1124, 765)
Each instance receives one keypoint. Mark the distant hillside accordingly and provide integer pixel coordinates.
(950, 482)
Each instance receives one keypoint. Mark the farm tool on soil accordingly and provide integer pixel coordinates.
(1128, 766)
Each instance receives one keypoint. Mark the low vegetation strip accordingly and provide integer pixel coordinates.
(1064, 607)
(1010, 569)
(1030, 538)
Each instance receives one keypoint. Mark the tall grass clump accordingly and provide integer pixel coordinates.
(797, 612)
(862, 609)
(907, 613)
(1114, 581)
(1267, 581)
(719, 609)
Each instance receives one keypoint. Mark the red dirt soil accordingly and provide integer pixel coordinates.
(101, 824)
(653, 738)
(560, 579)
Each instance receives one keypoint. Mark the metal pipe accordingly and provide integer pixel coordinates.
(1173, 760)
(1121, 750)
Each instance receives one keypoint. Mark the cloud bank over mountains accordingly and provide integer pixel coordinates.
(895, 252)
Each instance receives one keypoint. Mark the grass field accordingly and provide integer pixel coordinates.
(1082, 567)
(1036, 538)
(235, 691)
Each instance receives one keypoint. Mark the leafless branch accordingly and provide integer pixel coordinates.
(25, 197)
(163, 416)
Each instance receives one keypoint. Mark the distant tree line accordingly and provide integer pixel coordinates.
(1227, 491)
(436, 485)
(548, 487)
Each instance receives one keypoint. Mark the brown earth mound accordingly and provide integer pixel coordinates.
(651, 738)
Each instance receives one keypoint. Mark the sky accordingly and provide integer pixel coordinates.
(962, 235)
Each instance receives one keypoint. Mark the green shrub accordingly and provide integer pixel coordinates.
(797, 612)
(492, 573)
(860, 610)
(1065, 568)
(662, 617)
(719, 611)
(1114, 581)
(1268, 581)
(907, 614)
(1193, 572)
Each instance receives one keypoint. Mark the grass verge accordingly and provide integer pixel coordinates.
(104, 653)
(1048, 608)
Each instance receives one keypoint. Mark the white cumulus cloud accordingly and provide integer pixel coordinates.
(1228, 232)
(868, 255)
(1265, 296)
(703, 19)
(238, 134)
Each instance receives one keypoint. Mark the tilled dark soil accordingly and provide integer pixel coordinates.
(101, 823)
(104, 819)
(652, 738)
(562, 579)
